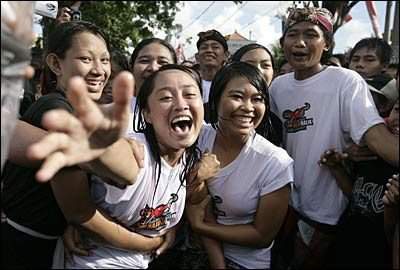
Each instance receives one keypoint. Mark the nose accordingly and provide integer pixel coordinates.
(153, 66)
(299, 42)
(247, 105)
(181, 103)
(98, 68)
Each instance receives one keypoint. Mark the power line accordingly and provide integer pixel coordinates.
(262, 15)
(198, 17)
(230, 17)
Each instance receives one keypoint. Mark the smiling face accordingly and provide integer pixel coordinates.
(149, 60)
(303, 45)
(366, 62)
(241, 108)
(89, 58)
(211, 53)
(175, 109)
(261, 60)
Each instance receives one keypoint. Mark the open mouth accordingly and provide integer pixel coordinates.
(181, 124)
(95, 82)
(245, 120)
(299, 54)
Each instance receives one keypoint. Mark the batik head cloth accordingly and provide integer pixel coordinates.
(318, 16)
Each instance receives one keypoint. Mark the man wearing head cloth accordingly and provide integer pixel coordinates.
(321, 108)
(211, 55)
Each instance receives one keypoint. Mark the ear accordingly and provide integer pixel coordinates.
(53, 62)
(327, 47)
(196, 56)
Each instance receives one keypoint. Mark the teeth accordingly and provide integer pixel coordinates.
(180, 118)
(244, 118)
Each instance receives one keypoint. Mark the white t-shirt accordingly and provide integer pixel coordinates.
(136, 206)
(324, 111)
(206, 85)
(259, 169)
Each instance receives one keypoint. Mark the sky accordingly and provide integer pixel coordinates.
(258, 20)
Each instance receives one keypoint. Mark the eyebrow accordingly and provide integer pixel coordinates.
(167, 88)
(151, 56)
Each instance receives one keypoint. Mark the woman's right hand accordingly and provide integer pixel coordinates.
(73, 243)
(85, 136)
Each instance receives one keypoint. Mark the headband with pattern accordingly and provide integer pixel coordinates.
(319, 16)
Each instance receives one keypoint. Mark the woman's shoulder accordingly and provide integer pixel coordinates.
(265, 148)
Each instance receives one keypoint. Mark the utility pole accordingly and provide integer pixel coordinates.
(386, 33)
(395, 34)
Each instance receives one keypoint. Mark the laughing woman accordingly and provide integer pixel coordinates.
(169, 113)
(250, 193)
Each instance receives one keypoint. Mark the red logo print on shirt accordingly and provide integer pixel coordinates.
(156, 218)
(296, 120)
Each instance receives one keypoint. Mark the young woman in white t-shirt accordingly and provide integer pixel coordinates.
(170, 115)
(250, 193)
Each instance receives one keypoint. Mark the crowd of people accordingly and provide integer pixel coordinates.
(230, 162)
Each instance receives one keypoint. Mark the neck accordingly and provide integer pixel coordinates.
(208, 72)
(171, 156)
(307, 72)
(227, 147)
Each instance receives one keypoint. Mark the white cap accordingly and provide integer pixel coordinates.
(46, 8)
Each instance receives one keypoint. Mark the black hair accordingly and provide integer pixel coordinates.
(249, 47)
(255, 78)
(382, 49)
(118, 57)
(143, 43)
(141, 126)
(60, 41)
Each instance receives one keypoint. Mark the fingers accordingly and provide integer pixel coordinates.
(62, 121)
(50, 167)
(85, 108)
(123, 86)
(71, 241)
(332, 157)
(164, 246)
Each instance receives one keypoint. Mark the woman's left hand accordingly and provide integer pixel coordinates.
(169, 239)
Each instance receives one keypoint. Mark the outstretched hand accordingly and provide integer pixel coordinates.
(85, 136)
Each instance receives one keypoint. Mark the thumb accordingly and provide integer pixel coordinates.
(122, 93)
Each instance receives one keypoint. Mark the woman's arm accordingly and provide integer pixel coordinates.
(270, 214)
(24, 135)
(71, 190)
(213, 247)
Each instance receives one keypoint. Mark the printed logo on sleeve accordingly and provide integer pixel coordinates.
(296, 120)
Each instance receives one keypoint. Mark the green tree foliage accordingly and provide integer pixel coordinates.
(126, 22)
